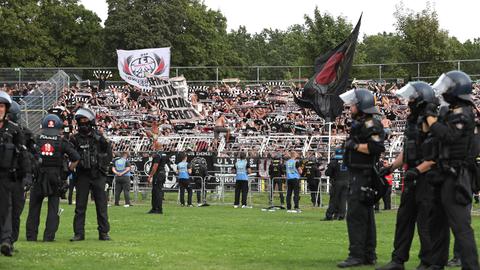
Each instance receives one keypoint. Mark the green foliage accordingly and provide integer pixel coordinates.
(63, 33)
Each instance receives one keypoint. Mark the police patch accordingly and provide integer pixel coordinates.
(458, 110)
(376, 138)
(369, 123)
(51, 124)
(47, 150)
(459, 126)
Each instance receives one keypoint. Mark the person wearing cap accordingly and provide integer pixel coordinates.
(95, 156)
(457, 135)
(363, 148)
(416, 204)
(51, 149)
(338, 173)
(12, 153)
(11, 228)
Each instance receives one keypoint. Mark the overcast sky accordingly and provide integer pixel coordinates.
(461, 18)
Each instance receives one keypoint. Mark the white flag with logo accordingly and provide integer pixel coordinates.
(136, 66)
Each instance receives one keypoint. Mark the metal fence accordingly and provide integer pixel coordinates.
(257, 74)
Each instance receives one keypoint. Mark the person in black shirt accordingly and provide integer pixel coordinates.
(157, 178)
(276, 171)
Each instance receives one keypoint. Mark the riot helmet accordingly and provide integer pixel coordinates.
(51, 125)
(7, 100)
(417, 94)
(14, 112)
(455, 86)
(85, 120)
(363, 99)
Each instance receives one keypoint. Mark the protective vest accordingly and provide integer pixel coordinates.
(309, 170)
(276, 168)
(87, 148)
(182, 168)
(241, 169)
(198, 170)
(412, 145)
(50, 150)
(121, 166)
(291, 170)
(7, 148)
(361, 132)
(462, 120)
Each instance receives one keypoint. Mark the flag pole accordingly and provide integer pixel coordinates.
(329, 140)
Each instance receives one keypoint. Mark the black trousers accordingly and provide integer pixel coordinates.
(337, 205)
(279, 184)
(87, 182)
(71, 186)
(241, 186)
(185, 185)
(452, 209)
(413, 211)
(293, 185)
(122, 183)
(198, 188)
(360, 219)
(157, 195)
(313, 188)
(6, 181)
(34, 211)
(11, 228)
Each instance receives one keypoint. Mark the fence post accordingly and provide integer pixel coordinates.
(458, 65)
(299, 73)
(418, 71)
(258, 74)
(216, 78)
(380, 72)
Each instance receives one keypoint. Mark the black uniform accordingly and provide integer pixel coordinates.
(416, 201)
(199, 172)
(11, 228)
(453, 192)
(159, 178)
(95, 153)
(360, 215)
(312, 174)
(339, 177)
(276, 172)
(13, 156)
(49, 184)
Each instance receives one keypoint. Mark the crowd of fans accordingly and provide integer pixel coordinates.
(241, 109)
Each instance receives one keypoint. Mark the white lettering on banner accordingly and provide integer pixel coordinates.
(136, 66)
(172, 98)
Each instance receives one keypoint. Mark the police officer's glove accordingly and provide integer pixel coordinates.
(431, 109)
(351, 145)
(411, 174)
(27, 181)
(385, 171)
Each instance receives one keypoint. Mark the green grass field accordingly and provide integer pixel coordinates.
(215, 237)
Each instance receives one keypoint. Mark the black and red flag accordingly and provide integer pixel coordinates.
(332, 70)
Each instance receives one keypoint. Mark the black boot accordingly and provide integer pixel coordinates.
(392, 266)
(77, 237)
(454, 262)
(350, 262)
(104, 237)
(6, 249)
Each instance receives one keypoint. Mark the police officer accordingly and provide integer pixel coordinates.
(455, 132)
(11, 228)
(96, 154)
(242, 170)
(312, 174)
(49, 182)
(338, 173)
(362, 151)
(276, 172)
(293, 170)
(417, 197)
(199, 172)
(183, 175)
(157, 178)
(13, 156)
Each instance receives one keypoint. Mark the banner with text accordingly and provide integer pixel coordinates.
(136, 66)
(172, 97)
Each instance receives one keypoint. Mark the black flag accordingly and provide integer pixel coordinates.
(321, 92)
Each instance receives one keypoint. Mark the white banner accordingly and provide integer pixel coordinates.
(137, 65)
(172, 97)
